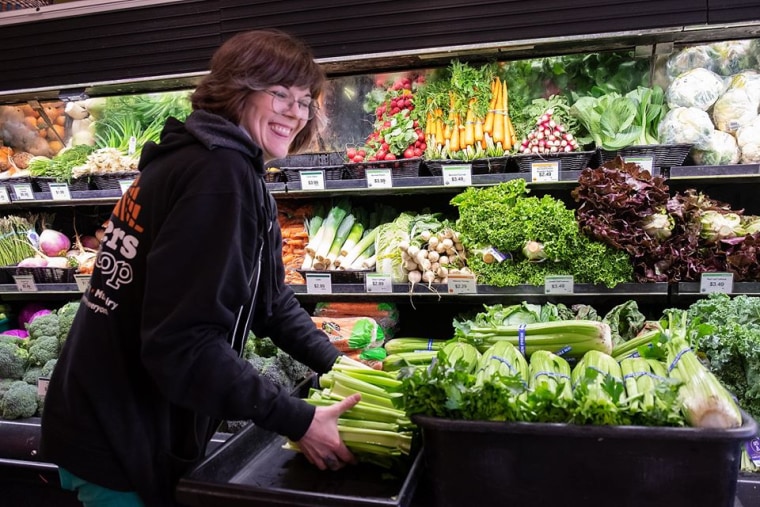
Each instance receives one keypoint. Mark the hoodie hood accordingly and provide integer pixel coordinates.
(211, 130)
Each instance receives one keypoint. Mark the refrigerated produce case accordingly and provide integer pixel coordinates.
(84, 50)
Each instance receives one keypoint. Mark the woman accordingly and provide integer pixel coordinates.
(191, 261)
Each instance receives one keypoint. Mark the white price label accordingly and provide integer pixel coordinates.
(544, 171)
(558, 284)
(318, 283)
(378, 282)
(459, 175)
(132, 146)
(23, 191)
(60, 192)
(25, 283)
(645, 163)
(124, 185)
(312, 180)
(379, 178)
(4, 197)
(83, 282)
(462, 284)
(42, 386)
(716, 282)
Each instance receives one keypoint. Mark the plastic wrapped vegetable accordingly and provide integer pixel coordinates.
(721, 149)
(748, 139)
(733, 56)
(749, 81)
(734, 109)
(688, 125)
(698, 88)
(695, 57)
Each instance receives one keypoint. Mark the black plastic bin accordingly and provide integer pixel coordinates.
(252, 469)
(478, 463)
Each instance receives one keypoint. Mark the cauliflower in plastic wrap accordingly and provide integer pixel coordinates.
(686, 125)
(749, 81)
(695, 57)
(721, 149)
(734, 109)
(698, 88)
(724, 58)
(748, 139)
(734, 56)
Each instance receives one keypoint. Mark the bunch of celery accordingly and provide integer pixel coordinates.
(570, 338)
(652, 396)
(377, 429)
(706, 403)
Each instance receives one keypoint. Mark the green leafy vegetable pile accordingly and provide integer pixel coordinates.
(505, 218)
(726, 331)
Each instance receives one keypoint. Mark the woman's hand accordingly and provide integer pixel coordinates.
(322, 444)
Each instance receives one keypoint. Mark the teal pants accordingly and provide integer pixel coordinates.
(92, 495)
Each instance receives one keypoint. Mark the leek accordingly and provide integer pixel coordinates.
(320, 247)
(340, 237)
(360, 247)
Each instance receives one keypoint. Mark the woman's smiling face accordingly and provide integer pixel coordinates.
(274, 131)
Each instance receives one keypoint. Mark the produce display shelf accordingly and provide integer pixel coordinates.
(729, 172)
(693, 289)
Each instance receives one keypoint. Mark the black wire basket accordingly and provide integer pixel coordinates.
(41, 274)
(112, 180)
(568, 161)
(332, 172)
(400, 168)
(662, 155)
(9, 182)
(75, 184)
(478, 166)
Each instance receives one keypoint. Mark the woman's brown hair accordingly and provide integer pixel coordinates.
(256, 60)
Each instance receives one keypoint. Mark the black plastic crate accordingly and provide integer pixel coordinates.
(488, 463)
(568, 161)
(400, 168)
(252, 469)
(317, 159)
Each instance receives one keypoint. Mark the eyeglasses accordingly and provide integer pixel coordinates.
(283, 102)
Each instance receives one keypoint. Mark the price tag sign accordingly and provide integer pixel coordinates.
(558, 284)
(60, 192)
(379, 178)
(457, 175)
(42, 386)
(544, 171)
(462, 284)
(23, 191)
(25, 283)
(716, 282)
(4, 197)
(124, 185)
(645, 163)
(83, 282)
(132, 146)
(378, 282)
(312, 180)
(318, 283)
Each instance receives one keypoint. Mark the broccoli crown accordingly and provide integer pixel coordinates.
(19, 401)
(5, 384)
(47, 368)
(265, 347)
(12, 361)
(66, 315)
(46, 325)
(32, 374)
(295, 371)
(42, 350)
(13, 340)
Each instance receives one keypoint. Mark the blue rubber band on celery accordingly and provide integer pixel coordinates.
(521, 338)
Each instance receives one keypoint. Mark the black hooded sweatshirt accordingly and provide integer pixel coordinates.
(191, 260)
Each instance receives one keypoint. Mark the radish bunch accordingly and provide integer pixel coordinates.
(549, 136)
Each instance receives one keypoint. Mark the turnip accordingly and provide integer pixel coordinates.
(53, 243)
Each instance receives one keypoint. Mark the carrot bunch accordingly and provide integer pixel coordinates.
(294, 239)
(473, 120)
